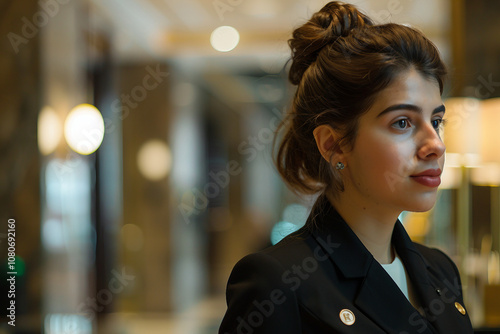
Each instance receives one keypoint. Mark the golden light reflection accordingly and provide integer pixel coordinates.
(49, 130)
(417, 225)
(154, 160)
(461, 132)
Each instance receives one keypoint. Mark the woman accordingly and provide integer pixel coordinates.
(364, 133)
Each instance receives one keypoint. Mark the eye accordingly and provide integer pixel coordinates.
(438, 122)
(402, 124)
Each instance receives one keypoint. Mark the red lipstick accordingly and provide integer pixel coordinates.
(429, 178)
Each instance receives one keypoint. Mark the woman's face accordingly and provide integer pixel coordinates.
(397, 138)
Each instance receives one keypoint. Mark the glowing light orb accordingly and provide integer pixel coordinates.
(84, 129)
(224, 38)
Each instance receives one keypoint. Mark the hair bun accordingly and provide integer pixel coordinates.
(334, 20)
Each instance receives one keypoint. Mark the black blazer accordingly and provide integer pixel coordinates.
(321, 279)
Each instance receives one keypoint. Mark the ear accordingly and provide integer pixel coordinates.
(326, 137)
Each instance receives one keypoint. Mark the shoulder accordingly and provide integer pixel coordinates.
(440, 263)
(259, 267)
(258, 297)
(268, 265)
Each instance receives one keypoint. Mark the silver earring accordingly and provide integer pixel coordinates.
(339, 165)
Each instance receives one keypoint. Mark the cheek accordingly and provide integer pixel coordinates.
(382, 160)
(382, 154)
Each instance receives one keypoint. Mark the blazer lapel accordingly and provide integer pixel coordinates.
(378, 297)
(383, 301)
(437, 296)
(415, 265)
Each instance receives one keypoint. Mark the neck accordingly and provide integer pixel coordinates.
(372, 225)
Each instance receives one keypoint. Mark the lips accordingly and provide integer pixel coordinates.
(430, 178)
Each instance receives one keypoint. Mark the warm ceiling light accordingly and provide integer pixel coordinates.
(461, 134)
(224, 38)
(84, 129)
(489, 171)
(489, 134)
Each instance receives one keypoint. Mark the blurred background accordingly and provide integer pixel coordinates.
(136, 169)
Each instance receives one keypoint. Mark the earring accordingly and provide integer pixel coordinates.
(339, 165)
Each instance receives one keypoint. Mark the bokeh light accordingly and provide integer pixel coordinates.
(293, 218)
(49, 130)
(296, 213)
(154, 160)
(224, 38)
(84, 129)
(281, 230)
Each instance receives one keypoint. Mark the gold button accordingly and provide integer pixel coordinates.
(347, 317)
(460, 308)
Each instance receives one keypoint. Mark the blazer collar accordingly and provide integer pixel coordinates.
(415, 264)
(352, 257)
(391, 310)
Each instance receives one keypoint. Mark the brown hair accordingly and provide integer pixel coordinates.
(340, 61)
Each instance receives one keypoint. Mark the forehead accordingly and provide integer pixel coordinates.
(409, 87)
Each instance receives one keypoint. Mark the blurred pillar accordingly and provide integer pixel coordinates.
(489, 174)
(146, 251)
(20, 162)
(462, 141)
(189, 211)
(458, 45)
(109, 175)
(476, 70)
(67, 188)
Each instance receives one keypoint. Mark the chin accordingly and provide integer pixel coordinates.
(422, 208)
(423, 204)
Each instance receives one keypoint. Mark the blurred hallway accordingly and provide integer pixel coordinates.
(136, 154)
(203, 318)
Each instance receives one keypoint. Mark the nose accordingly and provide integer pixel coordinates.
(431, 146)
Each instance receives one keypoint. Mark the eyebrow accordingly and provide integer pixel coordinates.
(411, 107)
